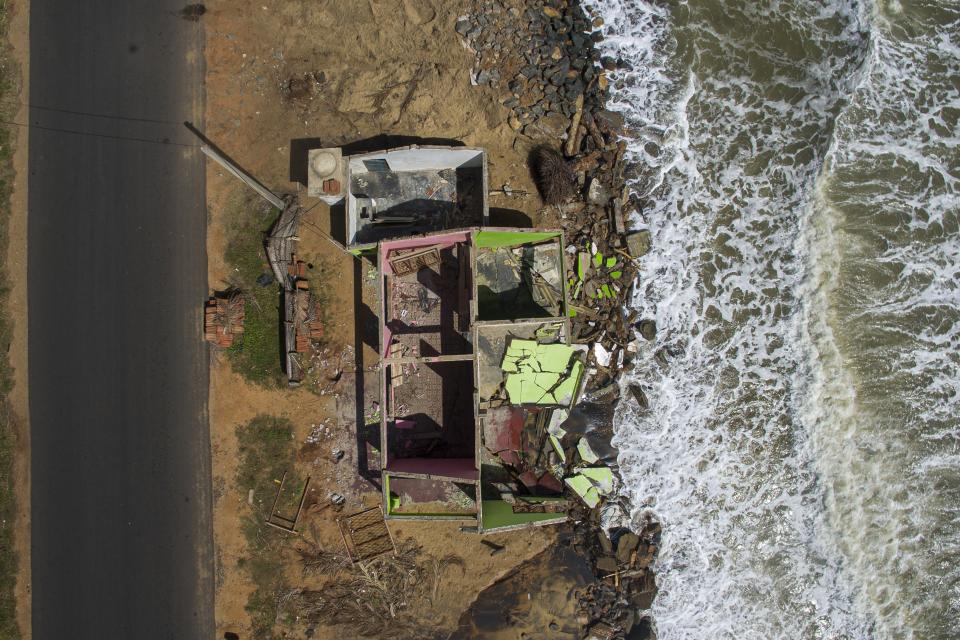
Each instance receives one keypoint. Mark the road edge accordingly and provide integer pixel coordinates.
(18, 39)
(206, 585)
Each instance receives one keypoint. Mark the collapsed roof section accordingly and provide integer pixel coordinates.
(541, 374)
(475, 357)
(402, 192)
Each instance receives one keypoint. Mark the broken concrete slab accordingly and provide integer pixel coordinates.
(586, 452)
(626, 545)
(606, 564)
(638, 243)
(582, 486)
(545, 374)
(600, 477)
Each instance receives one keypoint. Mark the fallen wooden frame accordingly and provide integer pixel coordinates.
(290, 524)
(413, 261)
(367, 535)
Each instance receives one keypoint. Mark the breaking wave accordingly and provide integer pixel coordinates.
(797, 167)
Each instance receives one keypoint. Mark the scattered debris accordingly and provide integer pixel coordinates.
(280, 516)
(371, 598)
(625, 584)
(560, 73)
(562, 446)
(303, 88)
(541, 57)
(315, 559)
(407, 262)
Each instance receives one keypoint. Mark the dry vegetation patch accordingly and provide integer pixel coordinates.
(267, 453)
(8, 561)
(386, 595)
(376, 598)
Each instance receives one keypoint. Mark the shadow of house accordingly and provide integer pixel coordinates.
(514, 283)
(365, 331)
(391, 141)
(500, 217)
(506, 305)
(299, 155)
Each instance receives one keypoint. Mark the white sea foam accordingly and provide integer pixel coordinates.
(774, 495)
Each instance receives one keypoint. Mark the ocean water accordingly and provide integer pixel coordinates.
(798, 165)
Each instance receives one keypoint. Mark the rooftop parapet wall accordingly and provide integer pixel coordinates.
(413, 190)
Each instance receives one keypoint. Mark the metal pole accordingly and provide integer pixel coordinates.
(249, 180)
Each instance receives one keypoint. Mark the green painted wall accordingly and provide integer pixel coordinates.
(496, 239)
(497, 513)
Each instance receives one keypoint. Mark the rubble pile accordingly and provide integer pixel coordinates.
(622, 562)
(326, 365)
(541, 54)
(541, 57)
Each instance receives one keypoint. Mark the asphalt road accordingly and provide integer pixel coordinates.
(122, 542)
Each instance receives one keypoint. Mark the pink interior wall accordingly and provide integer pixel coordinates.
(439, 241)
(458, 468)
(387, 335)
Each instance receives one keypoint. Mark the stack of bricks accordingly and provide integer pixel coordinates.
(331, 187)
(307, 325)
(223, 320)
(302, 306)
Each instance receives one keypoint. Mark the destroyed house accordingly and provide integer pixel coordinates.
(403, 191)
(475, 365)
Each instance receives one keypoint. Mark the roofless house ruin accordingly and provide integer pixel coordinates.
(475, 361)
(474, 334)
(477, 373)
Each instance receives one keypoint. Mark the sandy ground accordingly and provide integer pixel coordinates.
(16, 264)
(359, 70)
(233, 402)
(389, 67)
